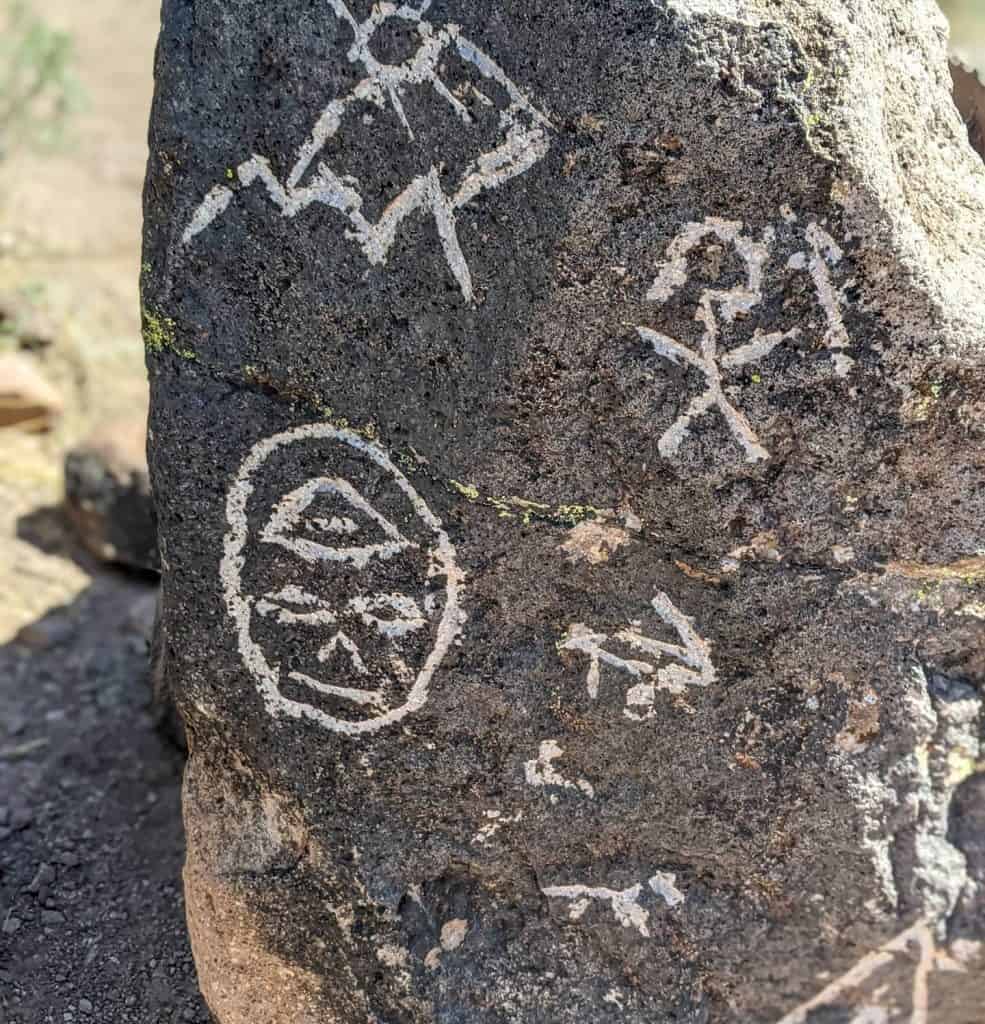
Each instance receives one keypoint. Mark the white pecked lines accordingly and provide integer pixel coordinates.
(523, 142)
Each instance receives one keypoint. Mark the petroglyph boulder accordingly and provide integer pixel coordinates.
(567, 431)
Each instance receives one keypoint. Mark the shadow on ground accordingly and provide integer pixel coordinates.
(48, 529)
(91, 913)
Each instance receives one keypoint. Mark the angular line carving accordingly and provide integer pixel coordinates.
(524, 130)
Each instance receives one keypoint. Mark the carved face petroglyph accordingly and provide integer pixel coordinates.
(341, 582)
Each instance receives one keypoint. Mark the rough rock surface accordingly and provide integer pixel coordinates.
(567, 430)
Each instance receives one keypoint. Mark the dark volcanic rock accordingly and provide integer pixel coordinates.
(566, 428)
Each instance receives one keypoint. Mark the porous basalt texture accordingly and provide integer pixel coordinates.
(567, 440)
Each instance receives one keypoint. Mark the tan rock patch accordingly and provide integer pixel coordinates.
(861, 723)
(234, 830)
(453, 934)
(594, 542)
(242, 980)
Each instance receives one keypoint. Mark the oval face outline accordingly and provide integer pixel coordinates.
(241, 606)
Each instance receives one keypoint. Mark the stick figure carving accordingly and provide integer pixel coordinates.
(523, 128)
(626, 904)
(341, 615)
(690, 660)
(732, 303)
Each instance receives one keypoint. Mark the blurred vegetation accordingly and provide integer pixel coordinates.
(967, 18)
(38, 88)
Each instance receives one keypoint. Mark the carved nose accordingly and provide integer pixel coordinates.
(343, 645)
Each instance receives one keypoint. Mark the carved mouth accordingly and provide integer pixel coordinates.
(373, 698)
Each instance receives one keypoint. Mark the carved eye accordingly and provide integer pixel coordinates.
(293, 605)
(391, 615)
(328, 520)
(336, 526)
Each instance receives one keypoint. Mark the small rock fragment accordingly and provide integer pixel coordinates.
(45, 875)
(453, 934)
(594, 542)
(843, 554)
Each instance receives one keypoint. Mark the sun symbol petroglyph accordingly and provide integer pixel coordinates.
(734, 303)
(691, 663)
(523, 129)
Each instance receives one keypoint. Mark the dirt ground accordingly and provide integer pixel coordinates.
(70, 251)
(91, 913)
(92, 924)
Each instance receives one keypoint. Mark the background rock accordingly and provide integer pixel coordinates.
(108, 498)
(23, 322)
(27, 400)
(969, 95)
(69, 270)
(717, 267)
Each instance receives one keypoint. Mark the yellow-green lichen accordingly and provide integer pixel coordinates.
(502, 507)
(572, 515)
(466, 491)
(529, 510)
(368, 432)
(524, 509)
(161, 335)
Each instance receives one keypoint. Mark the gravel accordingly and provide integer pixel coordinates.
(91, 911)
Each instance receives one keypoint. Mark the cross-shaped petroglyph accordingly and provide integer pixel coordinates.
(625, 903)
(524, 130)
(691, 659)
(737, 301)
(918, 938)
(914, 857)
